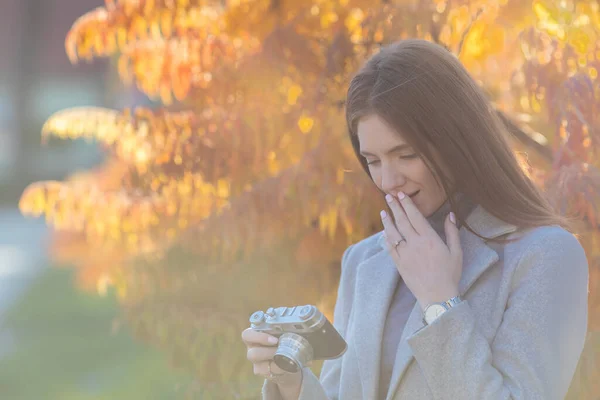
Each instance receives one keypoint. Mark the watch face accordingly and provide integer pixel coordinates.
(433, 311)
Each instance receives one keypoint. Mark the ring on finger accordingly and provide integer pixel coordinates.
(397, 242)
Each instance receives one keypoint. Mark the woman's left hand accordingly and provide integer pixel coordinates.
(430, 269)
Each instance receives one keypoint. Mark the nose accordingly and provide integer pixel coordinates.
(392, 179)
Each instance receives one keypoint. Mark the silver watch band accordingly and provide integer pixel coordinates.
(448, 304)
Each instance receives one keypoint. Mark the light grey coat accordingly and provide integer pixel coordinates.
(518, 334)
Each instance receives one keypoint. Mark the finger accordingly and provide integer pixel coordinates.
(391, 232)
(453, 236)
(402, 223)
(252, 338)
(260, 354)
(389, 246)
(262, 369)
(417, 220)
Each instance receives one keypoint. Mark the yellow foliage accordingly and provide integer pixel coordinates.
(162, 67)
(103, 31)
(305, 124)
(483, 40)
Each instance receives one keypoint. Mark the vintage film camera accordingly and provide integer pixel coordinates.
(304, 335)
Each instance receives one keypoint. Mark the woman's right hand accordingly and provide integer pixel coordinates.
(261, 350)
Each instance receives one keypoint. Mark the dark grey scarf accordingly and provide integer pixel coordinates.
(437, 219)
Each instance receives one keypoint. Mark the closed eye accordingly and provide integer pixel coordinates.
(408, 157)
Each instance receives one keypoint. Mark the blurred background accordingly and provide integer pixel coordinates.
(56, 340)
(169, 167)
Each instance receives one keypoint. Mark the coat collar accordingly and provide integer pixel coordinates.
(377, 278)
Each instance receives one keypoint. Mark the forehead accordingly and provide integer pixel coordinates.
(374, 134)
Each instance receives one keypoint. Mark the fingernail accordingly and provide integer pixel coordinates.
(273, 340)
(388, 198)
(383, 214)
(452, 218)
(401, 195)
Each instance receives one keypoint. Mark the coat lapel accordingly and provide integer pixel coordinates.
(377, 284)
(376, 281)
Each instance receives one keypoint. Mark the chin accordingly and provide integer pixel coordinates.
(426, 214)
(426, 211)
(422, 210)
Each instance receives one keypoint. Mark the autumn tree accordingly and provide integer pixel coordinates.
(242, 190)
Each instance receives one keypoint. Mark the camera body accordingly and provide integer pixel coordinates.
(304, 335)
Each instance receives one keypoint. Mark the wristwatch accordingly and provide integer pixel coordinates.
(434, 310)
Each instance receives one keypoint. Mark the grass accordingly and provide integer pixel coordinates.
(64, 349)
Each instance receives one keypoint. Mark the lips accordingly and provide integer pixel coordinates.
(414, 194)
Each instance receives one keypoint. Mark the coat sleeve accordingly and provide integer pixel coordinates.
(538, 344)
(328, 387)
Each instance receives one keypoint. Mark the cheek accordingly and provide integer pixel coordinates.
(427, 181)
(435, 191)
(430, 179)
(421, 173)
(376, 178)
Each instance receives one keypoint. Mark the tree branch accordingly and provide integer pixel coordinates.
(467, 30)
(525, 138)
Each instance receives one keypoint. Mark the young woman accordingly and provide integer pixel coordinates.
(475, 288)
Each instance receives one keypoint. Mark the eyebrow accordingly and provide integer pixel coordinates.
(393, 149)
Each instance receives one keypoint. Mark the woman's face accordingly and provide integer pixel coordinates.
(395, 166)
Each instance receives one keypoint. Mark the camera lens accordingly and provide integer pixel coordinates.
(293, 352)
(285, 363)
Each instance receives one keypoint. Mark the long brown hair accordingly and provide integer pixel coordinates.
(423, 91)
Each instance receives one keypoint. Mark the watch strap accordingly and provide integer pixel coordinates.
(448, 304)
